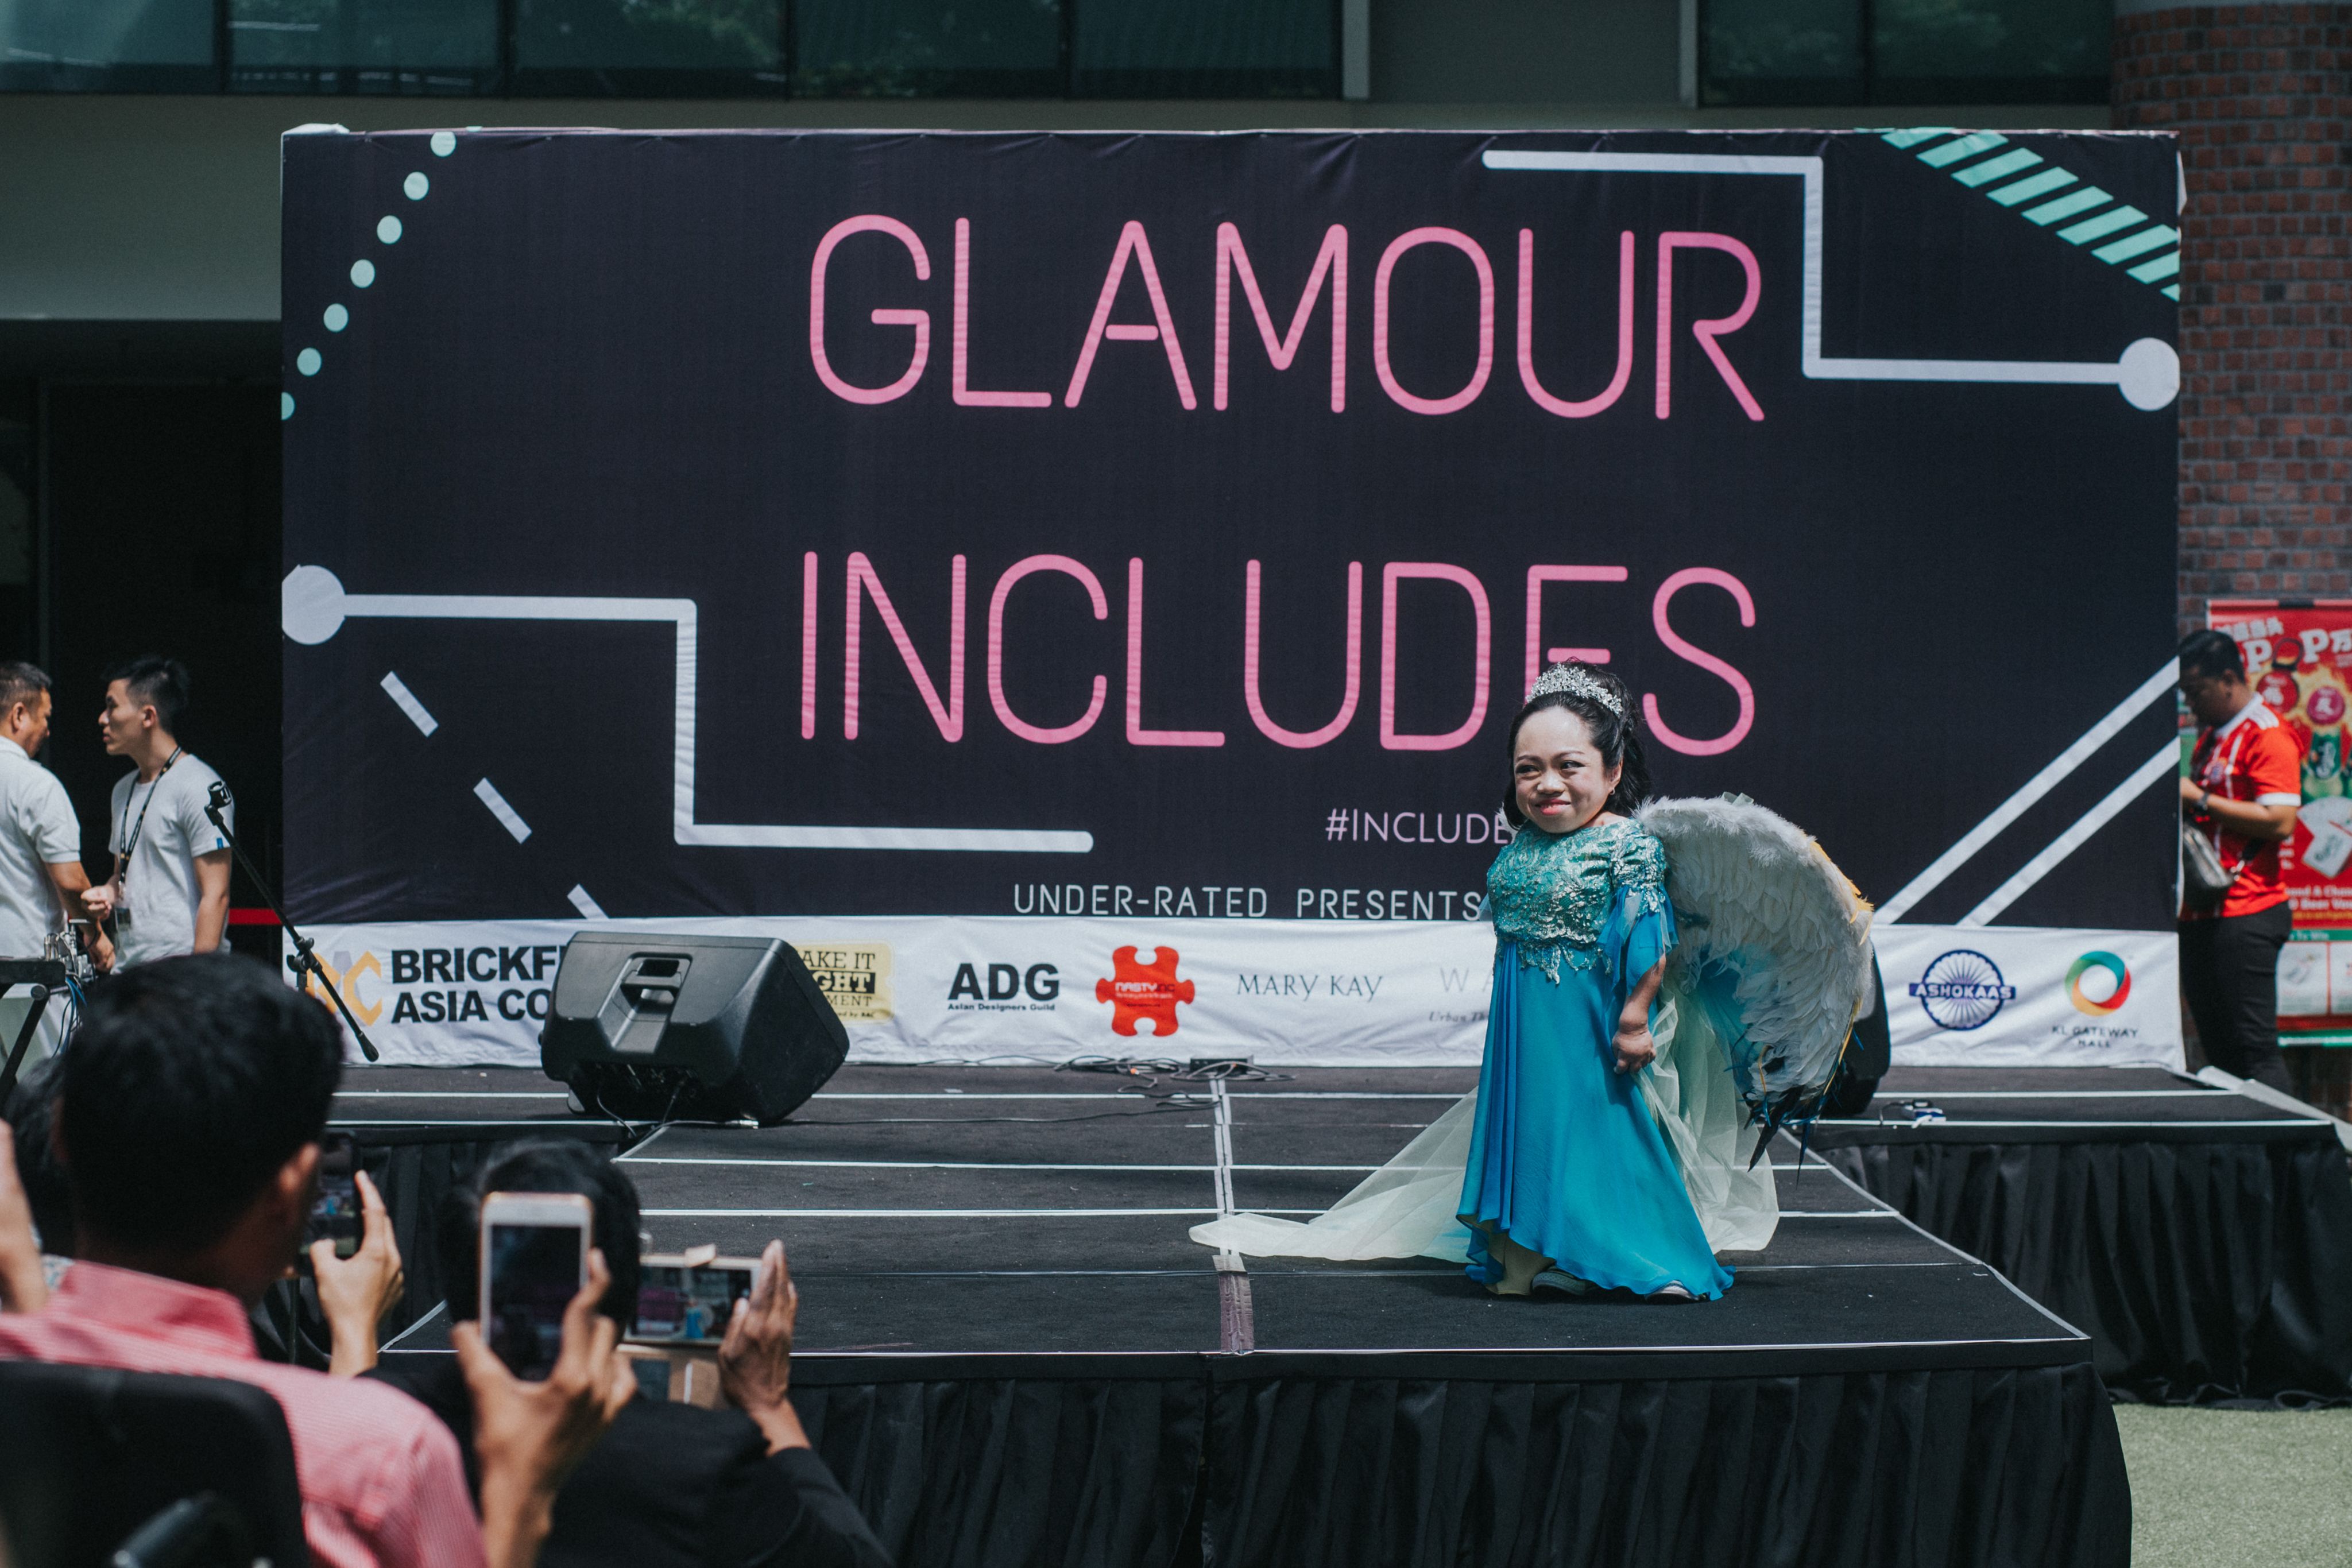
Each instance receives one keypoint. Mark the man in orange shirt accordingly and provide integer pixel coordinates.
(2244, 784)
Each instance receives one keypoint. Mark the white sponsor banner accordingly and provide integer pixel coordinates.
(1296, 992)
(1281, 992)
(2015, 996)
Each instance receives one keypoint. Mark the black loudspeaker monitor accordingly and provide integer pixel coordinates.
(652, 1026)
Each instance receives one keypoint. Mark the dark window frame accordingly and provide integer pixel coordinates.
(1870, 89)
(508, 77)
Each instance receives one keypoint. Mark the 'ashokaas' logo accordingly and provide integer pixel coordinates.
(1962, 991)
(1140, 992)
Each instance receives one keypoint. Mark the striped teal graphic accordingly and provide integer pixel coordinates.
(2097, 214)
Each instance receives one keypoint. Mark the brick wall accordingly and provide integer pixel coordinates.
(2261, 97)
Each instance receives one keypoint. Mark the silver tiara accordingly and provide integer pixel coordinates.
(1577, 682)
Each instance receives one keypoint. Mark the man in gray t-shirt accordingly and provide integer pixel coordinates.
(169, 893)
(41, 877)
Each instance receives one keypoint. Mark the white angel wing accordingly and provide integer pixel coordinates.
(1775, 950)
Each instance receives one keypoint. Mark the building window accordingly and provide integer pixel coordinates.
(410, 47)
(1856, 52)
(107, 46)
(928, 49)
(1204, 49)
(677, 49)
(648, 49)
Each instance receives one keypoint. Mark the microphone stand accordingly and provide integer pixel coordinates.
(304, 962)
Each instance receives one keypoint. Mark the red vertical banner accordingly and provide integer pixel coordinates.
(2298, 657)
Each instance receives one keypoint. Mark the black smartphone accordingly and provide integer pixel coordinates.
(534, 1261)
(335, 1211)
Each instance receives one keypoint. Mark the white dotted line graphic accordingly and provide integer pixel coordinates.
(336, 316)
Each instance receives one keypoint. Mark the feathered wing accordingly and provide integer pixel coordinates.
(1775, 956)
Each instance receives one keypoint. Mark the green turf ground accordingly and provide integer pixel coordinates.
(2217, 1489)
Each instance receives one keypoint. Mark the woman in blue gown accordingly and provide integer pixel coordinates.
(1569, 1183)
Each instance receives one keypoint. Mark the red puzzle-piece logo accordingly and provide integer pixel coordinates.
(1139, 992)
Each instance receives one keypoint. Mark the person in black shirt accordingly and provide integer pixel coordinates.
(670, 1483)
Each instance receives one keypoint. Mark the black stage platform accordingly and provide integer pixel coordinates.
(2203, 1237)
(1011, 1352)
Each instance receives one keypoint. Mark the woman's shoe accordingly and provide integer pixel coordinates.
(1520, 1265)
(1565, 1283)
(1671, 1294)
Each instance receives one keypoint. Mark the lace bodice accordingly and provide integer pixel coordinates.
(1552, 893)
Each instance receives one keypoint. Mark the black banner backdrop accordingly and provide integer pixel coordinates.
(860, 523)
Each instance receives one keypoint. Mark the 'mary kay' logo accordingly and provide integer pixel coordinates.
(1138, 992)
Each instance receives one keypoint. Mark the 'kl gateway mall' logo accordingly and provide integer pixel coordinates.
(1140, 992)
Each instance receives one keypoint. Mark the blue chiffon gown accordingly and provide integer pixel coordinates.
(1565, 1157)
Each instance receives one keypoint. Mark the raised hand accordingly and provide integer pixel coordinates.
(529, 1435)
(355, 1292)
(755, 1359)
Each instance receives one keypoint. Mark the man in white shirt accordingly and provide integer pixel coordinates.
(169, 893)
(41, 877)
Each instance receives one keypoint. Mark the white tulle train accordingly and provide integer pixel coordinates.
(1406, 1208)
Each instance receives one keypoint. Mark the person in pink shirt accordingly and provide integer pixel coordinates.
(192, 1104)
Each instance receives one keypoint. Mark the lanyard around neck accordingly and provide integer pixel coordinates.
(131, 837)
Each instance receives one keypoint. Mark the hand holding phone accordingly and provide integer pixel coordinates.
(336, 1211)
(357, 1290)
(534, 1261)
(755, 1364)
(529, 1435)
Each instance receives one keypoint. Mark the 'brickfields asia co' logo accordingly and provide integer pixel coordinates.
(445, 984)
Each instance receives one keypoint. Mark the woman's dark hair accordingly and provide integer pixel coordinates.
(543, 1165)
(1612, 733)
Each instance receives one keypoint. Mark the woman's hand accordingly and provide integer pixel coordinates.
(530, 1435)
(755, 1362)
(1635, 1048)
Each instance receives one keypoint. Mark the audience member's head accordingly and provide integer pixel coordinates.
(149, 681)
(2212, 675)
(544, 1164)
(189, 1115)
(24, 705)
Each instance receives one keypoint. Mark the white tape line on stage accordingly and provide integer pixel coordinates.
(1931, 1095)
(1083, 1213)
(978, 1165)
(940, 1213)
(1972, 1124)
(942, 1165)
(452, 1095)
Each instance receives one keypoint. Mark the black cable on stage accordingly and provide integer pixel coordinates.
(1152, 1068)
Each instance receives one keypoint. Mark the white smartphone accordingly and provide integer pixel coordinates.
(534, 1259)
